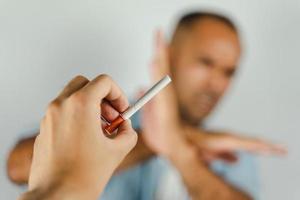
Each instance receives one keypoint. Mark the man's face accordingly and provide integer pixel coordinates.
(203, 64)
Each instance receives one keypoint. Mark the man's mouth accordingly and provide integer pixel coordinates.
(205, 102)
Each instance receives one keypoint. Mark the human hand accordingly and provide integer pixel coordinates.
(223, 145)
(161, 126)
(72, 157)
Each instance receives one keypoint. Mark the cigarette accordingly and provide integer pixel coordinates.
(110, 128)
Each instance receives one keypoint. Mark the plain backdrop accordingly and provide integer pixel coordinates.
(43, 44)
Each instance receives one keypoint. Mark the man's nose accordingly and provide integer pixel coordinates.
(216, 82)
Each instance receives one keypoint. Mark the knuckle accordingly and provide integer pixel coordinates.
(37, 139)
(54, 107)
(78, 99)
(55, 103)
(103, 77)
(43, 122)
(80, 78)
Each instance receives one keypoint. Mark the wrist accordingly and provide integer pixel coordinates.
(182, 153)
(59, 192)
(68, 187)
(173, 146)
(180, 147)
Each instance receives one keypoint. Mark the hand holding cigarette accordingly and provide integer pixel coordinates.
(72, 157)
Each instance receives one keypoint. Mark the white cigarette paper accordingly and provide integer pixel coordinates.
(146, 97)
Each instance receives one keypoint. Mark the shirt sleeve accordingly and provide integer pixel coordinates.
(243, 174)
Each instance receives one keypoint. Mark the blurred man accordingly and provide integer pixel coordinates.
(192, 162)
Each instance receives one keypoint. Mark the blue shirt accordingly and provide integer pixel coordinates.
(145, 180)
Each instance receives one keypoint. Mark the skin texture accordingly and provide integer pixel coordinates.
(163, 130)
(202, 72)
(201, 61)
(19, 161)
(72, 158)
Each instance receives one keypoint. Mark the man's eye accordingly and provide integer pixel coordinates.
(229, 73)
(205, 62)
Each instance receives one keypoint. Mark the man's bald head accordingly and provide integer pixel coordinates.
(204, 54)
(188, 21)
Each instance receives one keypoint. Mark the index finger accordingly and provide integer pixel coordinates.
(160, 62)
(103, 87)
(264, 147)
(256, 146)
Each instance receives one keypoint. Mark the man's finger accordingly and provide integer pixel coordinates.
(209, 156)
(108, 112)
(103, 87)
(253, 145)
(160, 62)
(74, 85)
(227, 157)
(260, 146)
(126, 135)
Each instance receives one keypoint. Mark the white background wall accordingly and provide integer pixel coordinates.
(45, 43)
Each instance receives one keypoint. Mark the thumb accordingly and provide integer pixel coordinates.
(126, 137)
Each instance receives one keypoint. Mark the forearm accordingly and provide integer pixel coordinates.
(200, 181)
(137, 155)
